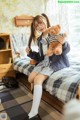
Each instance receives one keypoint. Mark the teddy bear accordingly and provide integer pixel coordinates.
(55, 40)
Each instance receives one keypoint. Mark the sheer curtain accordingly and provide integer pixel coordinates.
(74, 24)
(68, 16)
(57, 14)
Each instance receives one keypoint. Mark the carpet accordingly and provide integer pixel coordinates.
(16, 103)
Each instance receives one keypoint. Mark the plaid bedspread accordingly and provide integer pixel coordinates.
(62, 84)
(23, 66)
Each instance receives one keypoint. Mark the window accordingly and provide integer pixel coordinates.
(68, 16)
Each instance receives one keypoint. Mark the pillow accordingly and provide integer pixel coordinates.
(22, 51)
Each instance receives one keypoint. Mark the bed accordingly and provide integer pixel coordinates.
(63, 85)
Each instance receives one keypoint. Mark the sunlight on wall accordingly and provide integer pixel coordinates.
(10, 8)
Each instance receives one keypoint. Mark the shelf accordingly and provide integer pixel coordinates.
(6, 67)
(6, 58)
(5, 50)
(6, 64)
(6, 70)
(6, 42)
(23, 20)
(4, 34)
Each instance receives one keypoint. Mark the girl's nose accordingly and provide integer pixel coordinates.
(40, 26)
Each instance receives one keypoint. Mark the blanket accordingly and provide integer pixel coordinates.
(62, 84)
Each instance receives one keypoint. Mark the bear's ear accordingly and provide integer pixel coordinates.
(65, 35)
(59, 26)
(55, 29)
(52, 32)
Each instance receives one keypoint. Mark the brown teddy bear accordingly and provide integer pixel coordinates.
(55, 40)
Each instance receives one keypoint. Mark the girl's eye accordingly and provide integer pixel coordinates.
(36, 26)
(41, 23)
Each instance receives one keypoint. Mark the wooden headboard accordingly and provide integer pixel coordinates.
(23, 20)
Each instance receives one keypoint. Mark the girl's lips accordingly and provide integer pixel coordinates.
(41, 30)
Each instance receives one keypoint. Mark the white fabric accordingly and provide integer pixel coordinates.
(36, 100)
(22, 51)
(57, 14)
(19, 44)
(68, 16)
(18, 41)
(72, 110)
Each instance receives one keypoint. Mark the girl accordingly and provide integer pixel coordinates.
(46, 65)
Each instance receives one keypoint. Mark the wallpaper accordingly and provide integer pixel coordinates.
(11, 8)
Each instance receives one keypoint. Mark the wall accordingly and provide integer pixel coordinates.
(10, 8)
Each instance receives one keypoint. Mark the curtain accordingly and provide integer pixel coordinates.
(57, 14)
(68, 16)
(74, 24)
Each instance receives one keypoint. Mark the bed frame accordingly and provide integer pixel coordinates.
(26, 20)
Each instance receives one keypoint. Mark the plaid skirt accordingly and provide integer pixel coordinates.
(44, 67)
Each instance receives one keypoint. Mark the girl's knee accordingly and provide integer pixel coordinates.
(39, 79)
(30, 79)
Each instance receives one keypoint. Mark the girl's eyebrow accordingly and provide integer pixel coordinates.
(39, 23)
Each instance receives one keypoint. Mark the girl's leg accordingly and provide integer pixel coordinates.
(32, 76)
(31, 79)
(32, 86)
(39, 79)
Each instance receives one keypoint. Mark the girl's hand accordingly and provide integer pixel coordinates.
(28, 50)
(49, 53)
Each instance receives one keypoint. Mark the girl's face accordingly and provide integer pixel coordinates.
(40, 25)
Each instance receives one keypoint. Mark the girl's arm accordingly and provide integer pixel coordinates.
(38, 56)
(34, 55)
(65, 48)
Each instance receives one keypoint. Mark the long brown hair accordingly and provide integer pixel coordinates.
(38, 19)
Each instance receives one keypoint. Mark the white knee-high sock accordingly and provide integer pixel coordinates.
(36, 100)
